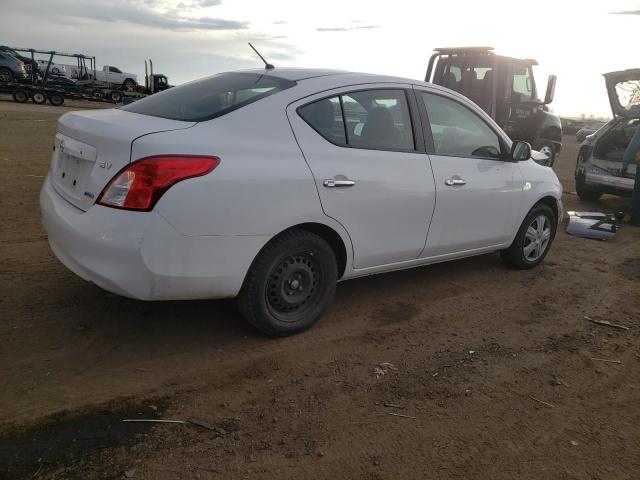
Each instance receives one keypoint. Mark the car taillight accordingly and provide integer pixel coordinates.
(141, 184)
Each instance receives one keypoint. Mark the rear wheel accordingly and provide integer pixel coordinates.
(20, 96)
(290, 284)
(98, 95)
(533, 240)
(115, 96)
(38, 98)
(129, 84)
(56, 99)
(586, 192)
(6, 75)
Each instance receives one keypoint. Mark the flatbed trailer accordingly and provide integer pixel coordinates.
(42, 87)
(56, 95)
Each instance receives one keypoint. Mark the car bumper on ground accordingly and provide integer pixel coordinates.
(140, 255)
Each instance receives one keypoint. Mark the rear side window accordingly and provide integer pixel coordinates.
(372, 119)
(210, 97)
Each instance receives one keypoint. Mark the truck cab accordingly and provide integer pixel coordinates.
(505, 88)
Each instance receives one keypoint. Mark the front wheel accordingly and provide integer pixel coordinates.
(547, 148)
(586, 192)
(290, 284)
(533, 240)
(6, 75)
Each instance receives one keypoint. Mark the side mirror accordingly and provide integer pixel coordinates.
(520, 151)
(551, 89)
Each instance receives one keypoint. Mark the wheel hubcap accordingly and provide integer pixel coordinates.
(537, 237)
(293, 284)
(547, 151)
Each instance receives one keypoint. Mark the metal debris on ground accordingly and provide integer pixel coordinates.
(393, 405)
(383, 368)
(402, 415)
(606, 323)
(550, 405)
(594, 225)
(605, 360)
(198, 423)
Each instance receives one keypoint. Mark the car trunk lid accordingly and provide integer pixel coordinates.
(91, 147)
(623, 88)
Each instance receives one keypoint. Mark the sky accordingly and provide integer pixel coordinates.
(577, 40)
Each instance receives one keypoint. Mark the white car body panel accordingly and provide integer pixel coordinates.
(388, 210)
(203, 234)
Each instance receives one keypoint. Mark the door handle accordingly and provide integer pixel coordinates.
(330, 183)
(455, 181)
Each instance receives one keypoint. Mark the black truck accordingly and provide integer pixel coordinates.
(505, 88)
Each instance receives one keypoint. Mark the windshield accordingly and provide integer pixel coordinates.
(210, 97)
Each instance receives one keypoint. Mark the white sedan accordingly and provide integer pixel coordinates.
(271, 186)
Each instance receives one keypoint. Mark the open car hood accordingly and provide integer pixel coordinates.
(623, 89)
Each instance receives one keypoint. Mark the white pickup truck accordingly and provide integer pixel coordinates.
(114, 75)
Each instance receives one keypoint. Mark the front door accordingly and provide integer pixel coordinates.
(366, 153)
(477, 191)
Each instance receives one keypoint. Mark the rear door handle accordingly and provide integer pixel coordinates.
(455, 181)
(331, 183)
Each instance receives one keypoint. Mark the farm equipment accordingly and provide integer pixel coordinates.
(42, 85)
(505, 88)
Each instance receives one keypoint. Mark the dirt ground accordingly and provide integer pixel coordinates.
(458, 370)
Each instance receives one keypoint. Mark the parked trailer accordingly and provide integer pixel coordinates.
(41, 86)
(39, 94)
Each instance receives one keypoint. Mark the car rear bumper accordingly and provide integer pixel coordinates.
(140, 255)
(609, 181)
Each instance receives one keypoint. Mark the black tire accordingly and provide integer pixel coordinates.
(38, 97)
(55, 70)
(97, 94)
(586, 192)
(290, 284)
(56, 99)
(129, 84)
(20, 96)
(547, 147)
(516, 255)
(115, 96)
(6, 75)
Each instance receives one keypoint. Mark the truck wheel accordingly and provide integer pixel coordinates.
(115, 96)
(56, 99)
(586, 192)
(290, 284)
(38, 98)
(549, 149)
(6, 75)
(20, 96)
(129, 84)
(98, 95)
(533, 240)
(55, 70)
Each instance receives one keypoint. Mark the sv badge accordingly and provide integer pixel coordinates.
(106, 165)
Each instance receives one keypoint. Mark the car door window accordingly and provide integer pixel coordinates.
(457, 131)
(378, 119)
(371, 119)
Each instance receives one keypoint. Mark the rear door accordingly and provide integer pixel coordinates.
(477, 192)
(623, 89)
(366, 152)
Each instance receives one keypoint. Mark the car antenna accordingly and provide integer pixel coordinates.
(267, 65)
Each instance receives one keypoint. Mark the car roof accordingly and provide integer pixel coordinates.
(300, 74)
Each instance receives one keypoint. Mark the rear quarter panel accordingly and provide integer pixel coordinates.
(262, 185)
